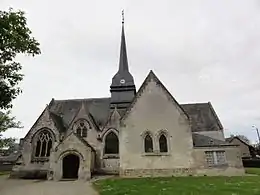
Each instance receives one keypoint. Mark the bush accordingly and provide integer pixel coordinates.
(251, 163)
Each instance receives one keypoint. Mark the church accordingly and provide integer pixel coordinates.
(144, 133)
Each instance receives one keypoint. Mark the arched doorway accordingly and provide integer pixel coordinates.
(70, 166)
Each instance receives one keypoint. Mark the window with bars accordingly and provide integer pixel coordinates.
(215, 158)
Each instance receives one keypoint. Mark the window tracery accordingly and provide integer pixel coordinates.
(44, 141)
(81, 128)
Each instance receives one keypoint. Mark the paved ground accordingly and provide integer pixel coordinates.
(40, 187)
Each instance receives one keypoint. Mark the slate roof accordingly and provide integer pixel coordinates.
(205, 141)
(123, 72)
(99, 109)
(202, 115)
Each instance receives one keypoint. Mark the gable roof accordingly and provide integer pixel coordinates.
(149, 77)
(230, 139)
(205, 141)
(98, 108)
(202, 117)
(78, 137)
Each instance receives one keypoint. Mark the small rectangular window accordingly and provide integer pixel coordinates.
(215, 157)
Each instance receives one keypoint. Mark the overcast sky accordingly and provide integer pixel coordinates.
(201, 50)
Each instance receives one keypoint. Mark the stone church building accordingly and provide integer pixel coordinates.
(133, 134)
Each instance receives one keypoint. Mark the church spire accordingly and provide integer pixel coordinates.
(122, 88)
(123, 63)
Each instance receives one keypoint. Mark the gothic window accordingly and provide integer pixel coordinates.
(81, 128)
(148, 144)
(163, 143)
(43, 144)
(111, 143)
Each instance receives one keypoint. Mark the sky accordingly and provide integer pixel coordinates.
(204, 50)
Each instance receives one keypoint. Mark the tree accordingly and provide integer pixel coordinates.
(7, 122)
(15, 38)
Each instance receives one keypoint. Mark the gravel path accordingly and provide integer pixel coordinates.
(36, 187)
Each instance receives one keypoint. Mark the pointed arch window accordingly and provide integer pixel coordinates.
(148, 143)
(44, 141)
(81, 128)
(111, 143)
(163, 143)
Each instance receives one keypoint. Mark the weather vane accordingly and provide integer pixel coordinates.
(123, 17)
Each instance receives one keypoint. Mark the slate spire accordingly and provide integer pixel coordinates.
(123, 62)
(122, 88)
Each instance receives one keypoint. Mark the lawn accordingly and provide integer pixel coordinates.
(4, 173)
(249, 185)
(255, 171)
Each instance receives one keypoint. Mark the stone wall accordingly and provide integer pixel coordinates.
(111, 165)
(29, 167)
(71, 145)
(155, 112)
(156, 172)
(233, 166)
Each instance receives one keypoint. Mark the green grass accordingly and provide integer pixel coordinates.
(248, 185)
(4, 173)
(255, 171)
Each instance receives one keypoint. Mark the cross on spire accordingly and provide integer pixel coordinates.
(123, 17)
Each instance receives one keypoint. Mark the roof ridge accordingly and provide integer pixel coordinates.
(80, 99)
(195, 103)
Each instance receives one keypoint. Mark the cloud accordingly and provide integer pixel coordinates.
(201, 50)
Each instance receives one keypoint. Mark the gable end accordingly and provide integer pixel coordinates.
(151, 76)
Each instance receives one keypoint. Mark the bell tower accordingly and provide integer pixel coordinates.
(122, 88)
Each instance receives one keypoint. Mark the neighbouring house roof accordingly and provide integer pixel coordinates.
(10, 158)
(230, 139)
